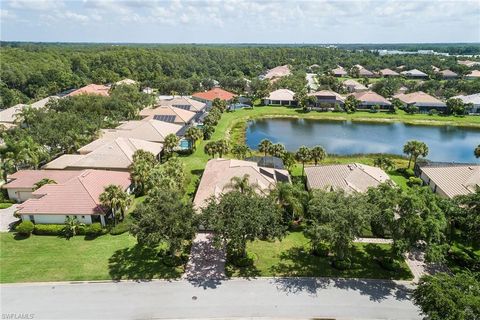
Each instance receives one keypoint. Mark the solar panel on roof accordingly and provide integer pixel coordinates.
(182, 106)
(165, 118)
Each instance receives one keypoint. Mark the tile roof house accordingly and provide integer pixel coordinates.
(450, 180)
(354, 177)
(126, 82)
(327, 98)
(423, 101)
(115, 154)
(284, 97)
(169, 114)
(277, 72)
(185, 103)
(354, 86)
(369, 98)
(448, 74)
(388, 73)
(21, 184)
(149, 130)
(95, 89)
(414, 73)
(9, 116)
(339, 72)
(76, 197)
(473, 100)
(215, 93)
(469, 63)
(362, 72)
(475, 74)
(219, 172)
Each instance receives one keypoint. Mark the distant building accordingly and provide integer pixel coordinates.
(9, 116)
(370, 99)
(284, 97)
(450, 180)
(354, 177)
(423, 101)
(362, 72)
(327, 99)
(475, 74)
(354, 86)
(415, 73)
(212, 94)
(169, 114)
(92, 89)
(469, 63)
(339, 72)
(448, 74)
(276, 73)
(183, 102)
(388, 73)
(473, 100)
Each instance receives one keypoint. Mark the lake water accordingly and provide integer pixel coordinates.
(446, 143)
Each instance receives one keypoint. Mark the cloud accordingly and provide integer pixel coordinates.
(34, 5)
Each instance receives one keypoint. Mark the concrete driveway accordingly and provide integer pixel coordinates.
(7, 218)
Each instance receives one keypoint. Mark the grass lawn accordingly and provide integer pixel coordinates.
(291, 257)
(5, 205)
(49, 258)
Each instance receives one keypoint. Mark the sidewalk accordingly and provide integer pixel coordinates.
(206, 262)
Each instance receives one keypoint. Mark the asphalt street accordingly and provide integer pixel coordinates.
(235, 298)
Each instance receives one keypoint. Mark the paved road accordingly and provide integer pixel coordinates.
(7, 218)
(275, 298)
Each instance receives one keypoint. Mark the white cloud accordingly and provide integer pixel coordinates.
(34, 5)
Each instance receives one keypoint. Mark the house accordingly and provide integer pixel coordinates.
(219, 172)
(423, 101)
(353, 177)
(327, 99)
(284, 97)
(276, 73)
(415, 73)
(215, 93)
(104, 154)
(9, 116)
(402, 89)
(169, 114)
(388, 73)
(76, 197)
(339, 72)
(449, 180)
(354, 86)
(149, 130)
(362, 72)
(370, 99)
(475, 74)
(126, 81)
(93, 89)
(267, 161)
(469, 63)
(21, 184)
(473, 100)
(183, 102)
(448, 74)
(435, 69)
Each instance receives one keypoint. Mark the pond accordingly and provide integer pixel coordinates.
(446, 143)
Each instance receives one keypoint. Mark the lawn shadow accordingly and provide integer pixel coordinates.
(140, 263)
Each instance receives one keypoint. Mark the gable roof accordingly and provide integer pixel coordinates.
(472, 98)
(281, 94)
(95, 89)
(111, 154)
(448, 73)
(454, 180)
(420, 98)
(388, 72)
(474, 74)
(327, 94)
(181, 115)
(339, 71)
(213, 94)
(353, 83)
(354, 177)
(414, 73)
(149, 130)
(9, 115)
(278, 72)
(78, 195)
(26, 179)
(371, 97)
(219, 172)
(182, 102)
(364, 72)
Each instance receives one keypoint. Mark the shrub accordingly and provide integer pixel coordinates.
(94, 229)
(433, 112)
(414, 181)
(120, 228)
(321, 250)
(48, 229)
(344, 264)
(25, 228)
(407, 173)
(388, 263)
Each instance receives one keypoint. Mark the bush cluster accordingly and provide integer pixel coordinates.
(25, 228)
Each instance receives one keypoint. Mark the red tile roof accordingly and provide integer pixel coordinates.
(97, 89)
(77, 196)
(26, 179)
(214, 93)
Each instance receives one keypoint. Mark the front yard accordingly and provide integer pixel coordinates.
(291, 257)
(50, 258)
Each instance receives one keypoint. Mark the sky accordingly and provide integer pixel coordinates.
(240, 21)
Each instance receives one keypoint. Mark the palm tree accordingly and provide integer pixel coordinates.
(384, 163)
(240, 151)
(115, 200)
(289, 198)
(242, 184)
(318, 154)
(207, 130)
(222, 147)
(43, 182)
(210, 148)
(277, 150)
(142, 164)
(476, 152)
(303, 155)
(170, 143)
(193, 134)
(414, 149)
(72, 225)
(264, 146)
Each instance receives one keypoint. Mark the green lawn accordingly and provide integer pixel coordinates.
(5, 205)
(291, 257)
(49, 258)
